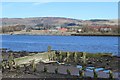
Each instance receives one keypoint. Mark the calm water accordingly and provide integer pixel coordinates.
(92, 44)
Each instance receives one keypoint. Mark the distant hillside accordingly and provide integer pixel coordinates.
(52, 21)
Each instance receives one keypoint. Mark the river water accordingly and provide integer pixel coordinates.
(92, 44)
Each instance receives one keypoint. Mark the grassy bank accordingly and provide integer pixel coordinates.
(41, 32)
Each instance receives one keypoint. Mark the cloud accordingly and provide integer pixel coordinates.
(38, 3)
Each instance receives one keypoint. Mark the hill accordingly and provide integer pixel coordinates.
(53, 21)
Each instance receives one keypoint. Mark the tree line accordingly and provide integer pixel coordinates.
(6, 29)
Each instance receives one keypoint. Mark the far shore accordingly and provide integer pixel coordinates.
(95, 35)
(80, 34)
(59, 33)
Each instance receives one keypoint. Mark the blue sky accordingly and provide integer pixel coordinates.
(77, 10)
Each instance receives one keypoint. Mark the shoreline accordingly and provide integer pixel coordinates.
(108, 63)
(17, 51)
(104, 35)
(113, 35)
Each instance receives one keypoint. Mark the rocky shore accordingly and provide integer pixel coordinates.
(102, 63)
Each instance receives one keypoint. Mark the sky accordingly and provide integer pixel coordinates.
(77, 10)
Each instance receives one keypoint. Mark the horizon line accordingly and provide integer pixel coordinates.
(58, 17)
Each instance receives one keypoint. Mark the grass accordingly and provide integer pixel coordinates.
(27, 59)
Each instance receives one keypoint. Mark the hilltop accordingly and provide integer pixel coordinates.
(54, 21)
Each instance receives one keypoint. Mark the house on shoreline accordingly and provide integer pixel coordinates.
(101, 28)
